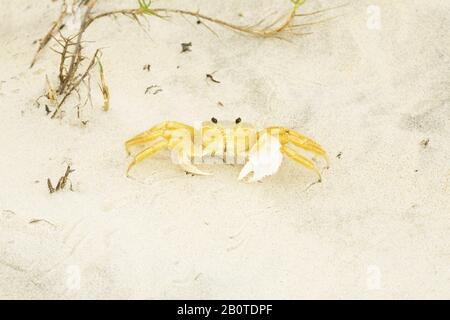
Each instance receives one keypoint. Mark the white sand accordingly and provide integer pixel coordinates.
(377, 227)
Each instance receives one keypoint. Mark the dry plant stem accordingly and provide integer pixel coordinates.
(62, 182)
(56, 26)
(69, 78)
(104, 88)
(77, 58)
(75, 85)
(65, 43)
(265, 32)
(51, 94)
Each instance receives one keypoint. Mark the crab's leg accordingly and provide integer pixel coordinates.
(168, 125)
(147, 153)
(308, 145)
(302, 137)
(173, 125)
(157, 131)
(296, 138)
(281, 130)
(143, 138)
(294, 155)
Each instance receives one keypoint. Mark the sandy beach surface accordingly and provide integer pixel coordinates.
(372, 86)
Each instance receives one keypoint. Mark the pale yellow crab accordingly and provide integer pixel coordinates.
(236, 142)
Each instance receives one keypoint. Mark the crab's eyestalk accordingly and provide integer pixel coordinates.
(214, 120)
(238, 120)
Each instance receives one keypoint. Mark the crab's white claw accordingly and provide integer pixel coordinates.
(190, 168)
(264, 160)
(185, 163)
(246, 170)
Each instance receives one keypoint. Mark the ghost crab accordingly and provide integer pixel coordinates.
(236, 142)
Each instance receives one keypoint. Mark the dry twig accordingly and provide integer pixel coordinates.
(62, 182)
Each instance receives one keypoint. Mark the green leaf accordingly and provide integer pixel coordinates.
(297, 3)
(144, 8)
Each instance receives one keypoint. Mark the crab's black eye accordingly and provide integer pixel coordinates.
(238, 120)
(214, 120)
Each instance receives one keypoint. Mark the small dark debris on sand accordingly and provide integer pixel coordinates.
(424, 143)
(211, 77)
(153, 89)
(186, 47)
(34, 221)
